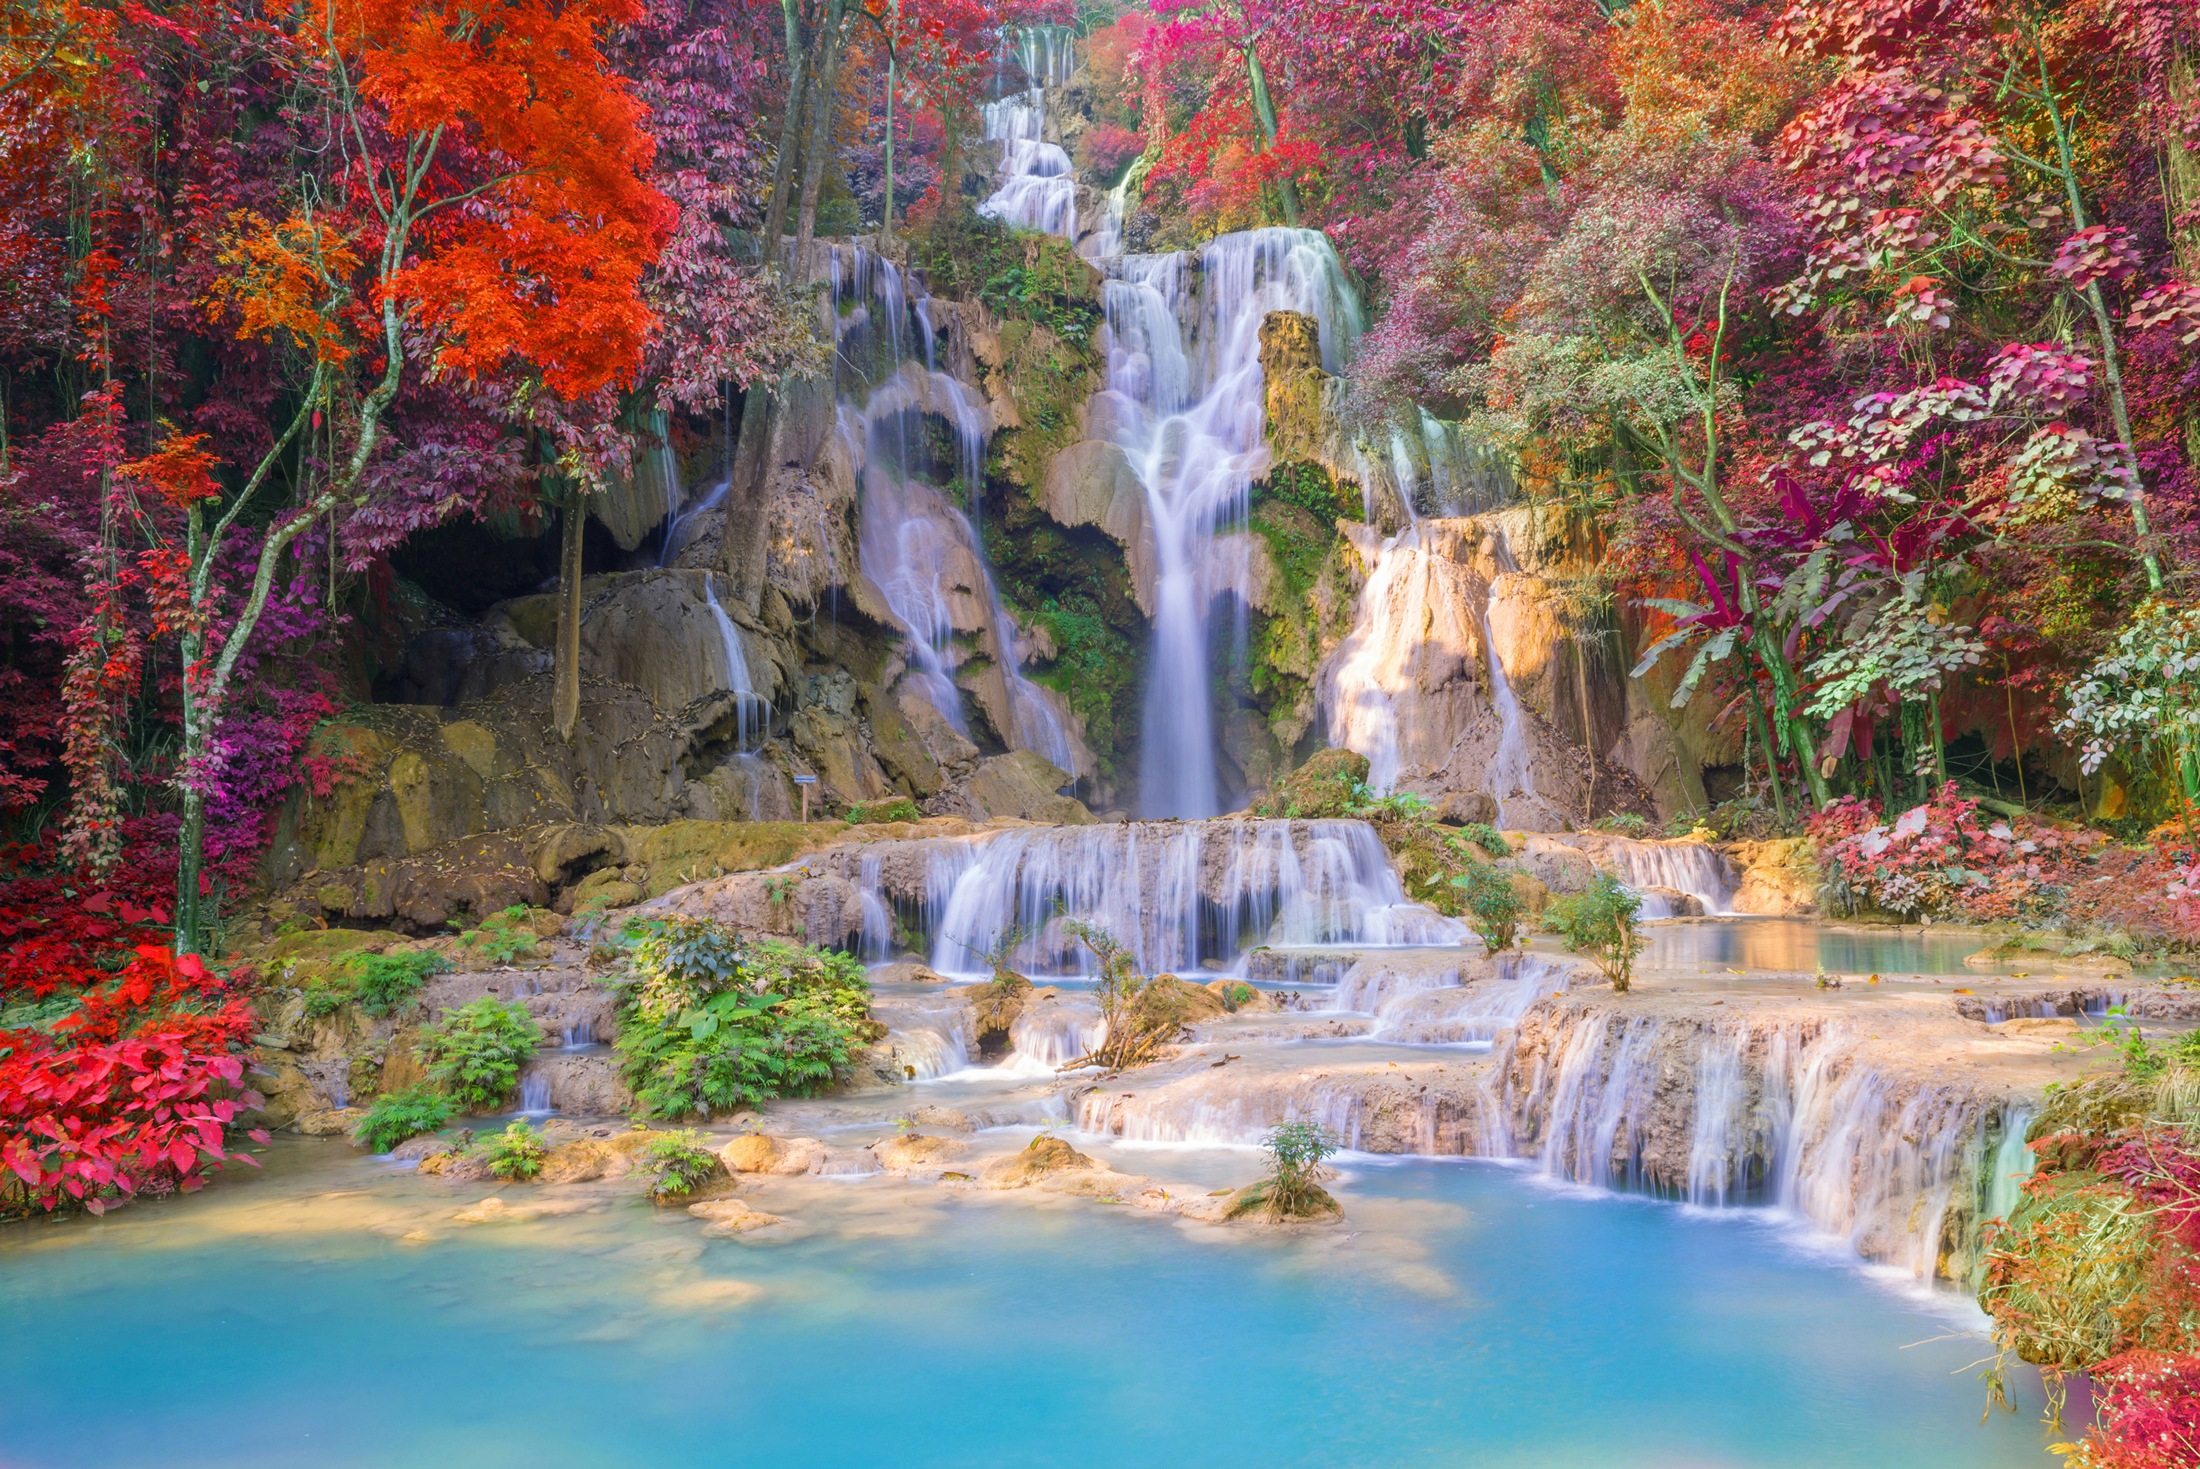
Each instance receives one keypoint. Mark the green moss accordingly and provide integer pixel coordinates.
(1021, 274)
(1311, 488)
(1094, 666)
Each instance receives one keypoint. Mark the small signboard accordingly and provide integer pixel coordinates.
(805, 781)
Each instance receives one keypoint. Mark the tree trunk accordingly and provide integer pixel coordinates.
(886, 205)
(790, 135)
(824, 103)
(190, 926)
(1287, 192)
(565, 692)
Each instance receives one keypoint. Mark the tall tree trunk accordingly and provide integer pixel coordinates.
(886, 207)
(1287, 192)
(790, 134)
(565, 691)
(824, 103)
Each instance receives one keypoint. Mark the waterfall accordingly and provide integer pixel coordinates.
(534, 1091)
(1183, 896)
(747, 702)
(1473, 1015)
(682, 524)
(1409, 638)
(1051, 1036)
(2012, 1163)
(922, 552)
(1694, 868)
(1037, 191)
(1183, 341)
(928, 1041)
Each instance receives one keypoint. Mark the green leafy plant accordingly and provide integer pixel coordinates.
(874, 813)
(1600, 921)
(1624, 823)
(385, 984)
(1298, 1155)
(712, 1022)
(504, 936)
(1237, 995)
(1492, 906)
(475, 1052)
(396, 1116)
(680, 1165)
(1141, 1013)
(1485, 836)
(516, 1153)
(1396, 806)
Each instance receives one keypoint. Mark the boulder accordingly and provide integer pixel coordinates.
(726, 1218)
(1026, 785)
(1462, 808)
(758, 1152)
(1779, 878)
(913, 1152)
(1043, 1158)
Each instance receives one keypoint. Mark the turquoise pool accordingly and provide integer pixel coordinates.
(1470, 1317)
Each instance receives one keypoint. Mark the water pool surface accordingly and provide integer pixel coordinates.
(1471, 1316)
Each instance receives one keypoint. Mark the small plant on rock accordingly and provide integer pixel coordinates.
(504, 936)
(875, 813)
(396, 1116)
(1142, 1012)
(515, 1154)
(1298, 1156)
(681, 1165)
(475, 1053)
(1600, 921)
(1492, 906)
(1484, 836)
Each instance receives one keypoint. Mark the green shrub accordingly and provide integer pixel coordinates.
(396, 1116)
(1623, 823)
(1237, 995)
(1600, 921)
(712, 1022)
(516, 1153)
(1323, 787)
(1397, 806)
(324, 997)
(385, 984)
(475, 1053)
(503, 936)
(1482, 834)
(1298, 1153)
(1492, 907)
(681, 1165)
(876, 813)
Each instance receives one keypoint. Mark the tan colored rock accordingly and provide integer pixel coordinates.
(1291, 369)
(1045, 1157)
(336, 1122)
(1092, 483)
(1779, 877)
(725, 1218)
(914, 1151)
(759, 1152)
(1026, 785)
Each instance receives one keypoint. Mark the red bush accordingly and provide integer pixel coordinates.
(135, 1091)
(2149, 1413)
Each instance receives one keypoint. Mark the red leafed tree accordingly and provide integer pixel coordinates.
(489, 215)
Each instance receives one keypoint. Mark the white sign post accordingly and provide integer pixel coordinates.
(805, 781)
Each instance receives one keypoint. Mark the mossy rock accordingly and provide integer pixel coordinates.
(1320, 789)
(328, 944)
(1256, 1202)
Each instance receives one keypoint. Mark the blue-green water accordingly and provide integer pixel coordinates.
(1471, 1318)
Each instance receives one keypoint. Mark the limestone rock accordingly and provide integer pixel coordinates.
(1045, 1157)
(1291, 368)
(912, 1152)
(758, 1152)
(1779, 878)
(1025, 785)
(727, 1218)
(1462, 808)
(1092, 483)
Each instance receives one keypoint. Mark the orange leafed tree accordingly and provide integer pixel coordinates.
(488, 215)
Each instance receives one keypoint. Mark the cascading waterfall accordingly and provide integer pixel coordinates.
(920, 551)
(1695, 868)
(752, 714)
(1184, 897)
(1038, 191)
(686, 517)
(1183, 345)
